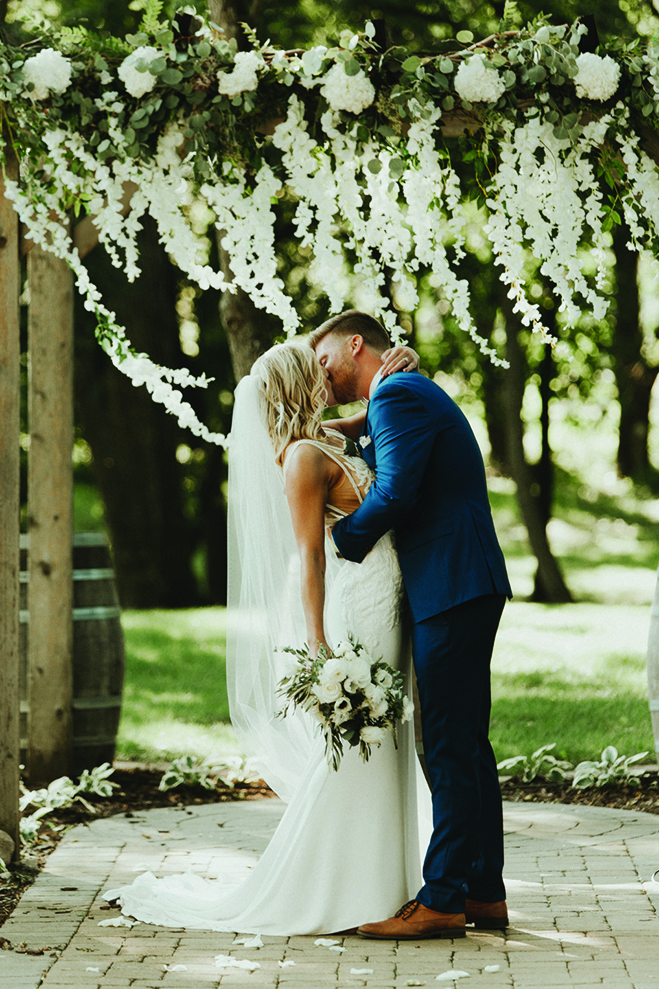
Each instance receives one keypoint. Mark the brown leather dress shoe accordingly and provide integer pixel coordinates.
(413, 922)
(487, 916)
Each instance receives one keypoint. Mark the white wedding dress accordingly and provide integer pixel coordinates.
(348, 849)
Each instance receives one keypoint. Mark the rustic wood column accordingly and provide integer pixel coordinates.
(9, 512)
(50, 515)
(653, 667)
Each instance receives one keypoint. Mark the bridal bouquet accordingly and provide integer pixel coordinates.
(356, 699)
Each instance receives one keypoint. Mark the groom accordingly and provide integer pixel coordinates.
(430, 488)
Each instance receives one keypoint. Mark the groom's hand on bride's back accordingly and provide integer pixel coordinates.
(398, 359)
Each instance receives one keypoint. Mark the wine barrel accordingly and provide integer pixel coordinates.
(653, 666)
(98, 652)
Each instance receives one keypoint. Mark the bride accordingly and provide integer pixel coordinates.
(349, 846)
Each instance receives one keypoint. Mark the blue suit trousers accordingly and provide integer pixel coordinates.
(452, 653)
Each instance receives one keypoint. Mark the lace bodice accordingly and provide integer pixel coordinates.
(370, 593)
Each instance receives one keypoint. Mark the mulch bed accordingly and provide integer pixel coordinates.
(138, 790)
(641, 795)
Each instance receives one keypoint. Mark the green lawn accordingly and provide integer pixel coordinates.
(175, 697)
(571, 674)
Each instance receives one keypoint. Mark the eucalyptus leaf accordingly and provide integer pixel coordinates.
(411, 64)
(537, 73)
(157, 66)
(446, 66)
(374, 166)
(351, 67)
(171, 76)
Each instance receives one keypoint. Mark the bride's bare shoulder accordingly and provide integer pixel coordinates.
(305, 461)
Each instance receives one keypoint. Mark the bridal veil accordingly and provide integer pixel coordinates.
(264, 605)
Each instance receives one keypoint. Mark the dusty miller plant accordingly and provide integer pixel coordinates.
(61, 793)
(539, 765)
(611, 768)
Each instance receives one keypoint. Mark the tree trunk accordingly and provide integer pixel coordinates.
(50, 518)
(550, 585)
(229, 14)
(543, 472)
(494, 399)
(634, 378)
(9, 515)
(133, 439)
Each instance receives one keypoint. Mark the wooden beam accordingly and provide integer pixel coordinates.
(9, 511)
(50, 503)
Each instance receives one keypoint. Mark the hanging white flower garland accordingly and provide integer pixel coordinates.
(364, 160)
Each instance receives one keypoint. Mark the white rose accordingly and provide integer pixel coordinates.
(383, 678)
(408, 710)
(242, 77)
(477, 81)
(333, 671)
(342, 92)
(597, 78)
(138, 81)
(49, 71)
(327, 693)
(377, 700)
(372, 735)
(358, 671)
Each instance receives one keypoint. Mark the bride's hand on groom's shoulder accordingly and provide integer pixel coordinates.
(399, 359)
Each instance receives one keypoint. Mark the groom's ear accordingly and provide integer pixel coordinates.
(356, 344)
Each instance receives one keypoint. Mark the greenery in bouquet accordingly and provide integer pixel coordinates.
(355, 698)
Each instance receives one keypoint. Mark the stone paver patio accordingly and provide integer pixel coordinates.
(583, 909)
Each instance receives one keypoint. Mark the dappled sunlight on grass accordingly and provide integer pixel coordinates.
(607, 547)
(571, 674)
(175, 699)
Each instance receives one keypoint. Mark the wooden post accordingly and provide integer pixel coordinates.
(653, 667)
(50, 504)
(9, 511)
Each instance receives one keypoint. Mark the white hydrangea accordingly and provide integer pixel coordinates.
(597, 78)
(343, 92)
(479, 82)
(242, 77)
(136, 81)
(49, 71)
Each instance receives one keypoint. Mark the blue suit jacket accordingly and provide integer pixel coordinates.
(430, 489)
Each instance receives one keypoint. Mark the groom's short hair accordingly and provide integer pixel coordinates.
(350, 323)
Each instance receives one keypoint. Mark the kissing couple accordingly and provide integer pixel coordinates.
(376, 526)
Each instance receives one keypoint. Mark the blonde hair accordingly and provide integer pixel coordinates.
(293, 388)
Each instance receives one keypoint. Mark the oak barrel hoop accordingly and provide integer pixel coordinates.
(98, 652)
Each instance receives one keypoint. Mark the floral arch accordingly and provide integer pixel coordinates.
(558, 144)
